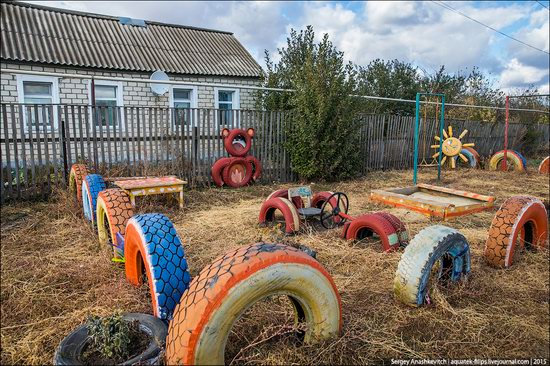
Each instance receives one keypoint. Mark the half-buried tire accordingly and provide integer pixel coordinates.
(114, 209)
(435, 247)
(544, 167)
(92, 185)
(76, 177)
(297, 201)
(269, 210)
(365, 225)
(521, 220)
(152, 247)
(224, 290)
(398, 225)
(514, 161)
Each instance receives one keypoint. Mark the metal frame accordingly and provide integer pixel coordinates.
(417, 131)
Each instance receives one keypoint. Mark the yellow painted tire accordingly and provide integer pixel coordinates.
(113, 211)
(512, 158)
(224, 290)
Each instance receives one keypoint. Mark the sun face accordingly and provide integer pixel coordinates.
(451, 147)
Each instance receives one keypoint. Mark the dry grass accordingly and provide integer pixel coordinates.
(54, 274)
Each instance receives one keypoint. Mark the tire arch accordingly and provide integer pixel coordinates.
(290, 214)
(372, 223)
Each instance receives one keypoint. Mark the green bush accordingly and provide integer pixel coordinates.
(112, 337)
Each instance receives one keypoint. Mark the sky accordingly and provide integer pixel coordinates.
(423, 33)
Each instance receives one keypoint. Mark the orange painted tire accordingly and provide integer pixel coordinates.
(366, 225)
(520, 216)
(238, 149)
(544, 167)
(224, 290)
(76, 177)
(237, 173)
(398, 225)
(256, 167)
(113, 211)
(217, 170)
(289, 211)
(152, 245)
(297, 201)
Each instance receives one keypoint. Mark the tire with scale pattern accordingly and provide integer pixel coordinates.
(217, 170)
(76, 177)
(520, 220)
(434, 244)
(222, 292)
(92, 185)
(151, 244)
(398, 225)
(365, 225)
(544, 167)
(114, 209)
(515, 160)
(288, 210)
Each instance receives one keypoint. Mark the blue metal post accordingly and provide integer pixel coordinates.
(441, 122)
(416, 132)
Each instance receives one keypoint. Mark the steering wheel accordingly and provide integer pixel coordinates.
(327, 217)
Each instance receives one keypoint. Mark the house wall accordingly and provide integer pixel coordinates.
(135, 94)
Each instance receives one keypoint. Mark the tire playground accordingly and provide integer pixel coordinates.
(365, 277)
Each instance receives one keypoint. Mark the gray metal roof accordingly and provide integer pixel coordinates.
(54, 36)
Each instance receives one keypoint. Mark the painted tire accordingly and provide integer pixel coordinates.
(521, 216)
(283, 193)
(475, 154)
(151, 242)
(432, 244)
(321, 197)
(76, 177)
(544, 167)
(256, 167)
(219, 295)
(289, 211)
(114, 209)
(523, 160)
(73, 346)
(237, 173)
(92, 185)
(366, 225)
(512, 157)
(237, 149)
(398, 225)
(472, 161)
(217, 170)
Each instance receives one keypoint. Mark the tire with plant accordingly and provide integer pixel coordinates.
(72, 348)
(367, 225)
(237, 173)
(153, 248)
(287, 209)
(234, 282)
(217, 170)
(92, 185)
(436, 254)
(114, 209)
(520, 220)
(76, 177)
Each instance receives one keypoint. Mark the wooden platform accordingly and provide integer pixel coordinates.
(433, 200)
(150, 186)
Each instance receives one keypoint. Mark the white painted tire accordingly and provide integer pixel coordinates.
(427, 247)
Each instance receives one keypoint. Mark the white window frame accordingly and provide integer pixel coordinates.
(236, 101)
(194, 99)
(55, 97)
(119, 100)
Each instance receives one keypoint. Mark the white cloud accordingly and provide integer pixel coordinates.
(517, 73)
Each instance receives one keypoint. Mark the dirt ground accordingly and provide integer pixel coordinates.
(54, 274)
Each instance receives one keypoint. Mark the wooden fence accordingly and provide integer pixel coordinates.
(138, 141)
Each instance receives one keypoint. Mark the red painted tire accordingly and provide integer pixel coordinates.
(321, 197)
(237, 149)
(289, 211)
(398, 225)
(217, 170)
(365, 225)
(544, 167)
(256, 167)
(76, 177)
(297, 201)
(237, 173)
(520, 216)
(234, 282)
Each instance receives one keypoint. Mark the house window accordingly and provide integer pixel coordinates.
(108, 96)
(183, 99)
(226, 101)
(38, 94)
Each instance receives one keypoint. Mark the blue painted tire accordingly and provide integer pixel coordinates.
(436, 244)
(472, 161)
(523, 160)
(152, 244)
(91, 186)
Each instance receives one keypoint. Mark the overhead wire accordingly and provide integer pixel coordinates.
(541, 4)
